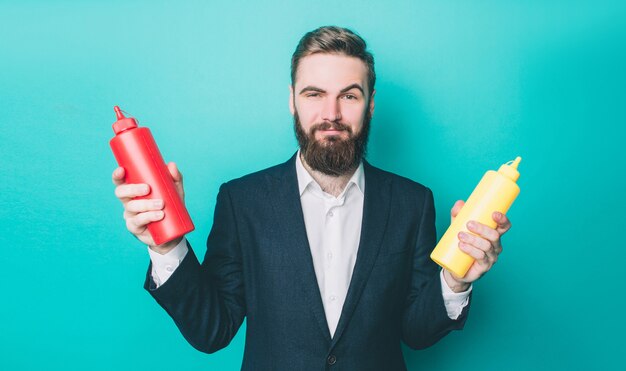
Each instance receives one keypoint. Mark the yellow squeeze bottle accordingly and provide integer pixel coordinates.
(495, 192)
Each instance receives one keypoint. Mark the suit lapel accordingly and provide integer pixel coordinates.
(285, 198)
(375, 215)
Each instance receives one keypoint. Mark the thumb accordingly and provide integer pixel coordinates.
(456, 209)
(177, 177)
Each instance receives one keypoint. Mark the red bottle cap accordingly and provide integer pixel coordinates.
(123, 123)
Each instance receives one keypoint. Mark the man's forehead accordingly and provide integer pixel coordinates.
(331, 71)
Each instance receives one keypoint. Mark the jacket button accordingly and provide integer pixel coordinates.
(332, 359)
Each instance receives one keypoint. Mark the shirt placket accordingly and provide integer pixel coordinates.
(334, 287)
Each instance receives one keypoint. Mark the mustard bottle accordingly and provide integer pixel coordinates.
(495, 192)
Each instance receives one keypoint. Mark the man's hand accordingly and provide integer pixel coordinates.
(484, 246)
(139, 213)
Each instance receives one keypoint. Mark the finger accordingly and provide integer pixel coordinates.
(456, 209)
(118, 176)
(128, 214)
(476, 253)
(174, 172)
(126, 191)
(177, 177)
(482, 263)
(477, 242)
(137, 224)
(504, 224)
(484, 231)
(480, 243)
(143, 205)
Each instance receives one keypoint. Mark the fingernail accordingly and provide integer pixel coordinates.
(471, 224)
(462, 236)
(144, 188)
(157, 203)
(498, 215)
(159, 214)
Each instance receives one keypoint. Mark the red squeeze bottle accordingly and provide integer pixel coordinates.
(136, 151)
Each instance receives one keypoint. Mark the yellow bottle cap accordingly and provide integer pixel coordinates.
(510, 169)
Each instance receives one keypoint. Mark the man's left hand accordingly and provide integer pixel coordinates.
(483, 245)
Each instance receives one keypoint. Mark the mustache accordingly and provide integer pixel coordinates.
(331, 125)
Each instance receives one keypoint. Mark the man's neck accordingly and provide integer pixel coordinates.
(333, 185)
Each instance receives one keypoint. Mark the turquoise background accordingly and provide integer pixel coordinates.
(463, 86)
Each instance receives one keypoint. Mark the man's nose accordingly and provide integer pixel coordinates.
(331, 110)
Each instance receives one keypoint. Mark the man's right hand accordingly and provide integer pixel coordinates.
(139, 213)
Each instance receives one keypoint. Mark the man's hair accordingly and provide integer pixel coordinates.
(334, 40)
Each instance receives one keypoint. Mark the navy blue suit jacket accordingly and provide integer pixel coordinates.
(258, 265)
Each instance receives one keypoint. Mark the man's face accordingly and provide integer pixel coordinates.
(332, 108)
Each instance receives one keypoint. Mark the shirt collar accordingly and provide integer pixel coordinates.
(305, 179)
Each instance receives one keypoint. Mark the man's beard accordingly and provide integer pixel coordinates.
(333, 155)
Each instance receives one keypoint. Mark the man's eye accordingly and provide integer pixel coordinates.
(313, 95)
(350, 97)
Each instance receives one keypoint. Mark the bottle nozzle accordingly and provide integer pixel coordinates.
(123, 122)
(510, 169)
(118, 112)
(516, 162)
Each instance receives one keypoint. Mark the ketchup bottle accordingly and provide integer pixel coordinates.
(136, 151)
(496, 192)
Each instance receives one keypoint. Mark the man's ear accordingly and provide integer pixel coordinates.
(292, 109)
(371, 107)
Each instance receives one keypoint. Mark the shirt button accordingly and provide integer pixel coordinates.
(330, 255)
(332, 298)
(331, 359)
(169, 268)
(330, 213)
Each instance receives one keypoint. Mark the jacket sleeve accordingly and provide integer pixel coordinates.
(207, 301)
(425, 319)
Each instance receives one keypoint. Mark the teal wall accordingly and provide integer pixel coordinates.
(463, 86)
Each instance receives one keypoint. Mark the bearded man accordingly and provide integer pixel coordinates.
(325, 255)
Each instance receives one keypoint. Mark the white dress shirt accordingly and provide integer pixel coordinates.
(333, 226)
